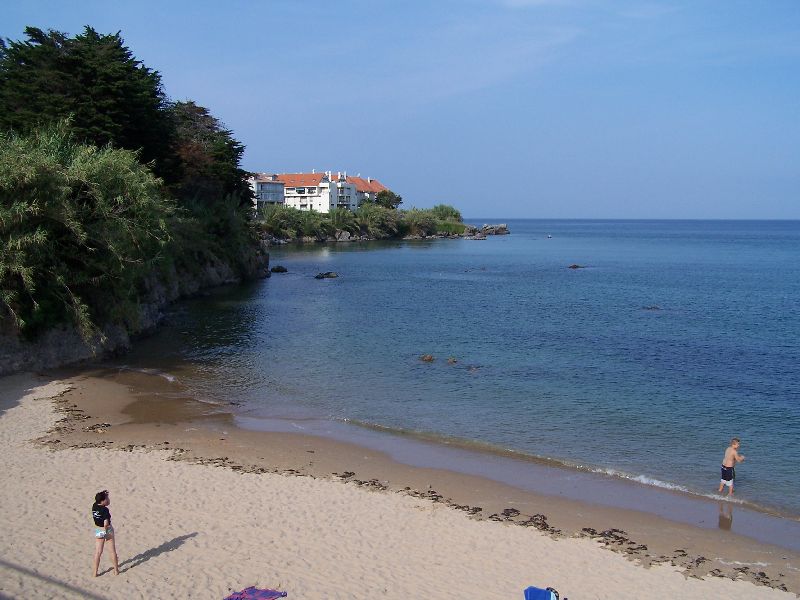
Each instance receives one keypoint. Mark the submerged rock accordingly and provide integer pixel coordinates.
(326, 275)
(573, 266)
(278, 269)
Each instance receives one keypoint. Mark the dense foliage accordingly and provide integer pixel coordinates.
(112, 98)
(104, 179)
(208, 158)
(369, 220)
(79, 227)
(94, 80)
(105, 183)
(387, 199)
(445, 212)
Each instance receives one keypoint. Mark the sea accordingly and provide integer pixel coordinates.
(670, 338)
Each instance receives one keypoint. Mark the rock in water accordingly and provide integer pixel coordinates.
(500, 229)
(326, 275)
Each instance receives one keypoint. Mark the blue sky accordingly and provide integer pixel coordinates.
(503, 108)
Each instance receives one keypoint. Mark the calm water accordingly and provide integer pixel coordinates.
(675, 337)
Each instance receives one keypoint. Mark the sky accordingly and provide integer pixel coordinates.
(631, 109)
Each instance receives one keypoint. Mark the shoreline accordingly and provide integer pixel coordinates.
(361, 434)
(549, 477)
(129, 410)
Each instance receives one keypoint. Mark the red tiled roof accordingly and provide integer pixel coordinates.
(300, 179)
(264, 177)
(364, 185)
(311, 179)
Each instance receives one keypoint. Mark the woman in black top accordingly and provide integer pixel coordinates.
(103, 531)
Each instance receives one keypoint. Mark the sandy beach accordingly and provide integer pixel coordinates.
(202, 509)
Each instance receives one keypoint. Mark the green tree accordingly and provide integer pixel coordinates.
(208, 158)
(344, 219)
(280, 221)
(94, 80)
(388, 199)
(79, 228)
(445, 212)
(377, 221)
(420, 222)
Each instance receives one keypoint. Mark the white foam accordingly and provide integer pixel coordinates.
(725, 498)
(652, 481)
(167, 376)
(731, 563)
(643, 479)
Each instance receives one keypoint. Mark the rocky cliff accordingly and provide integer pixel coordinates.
(63, 345)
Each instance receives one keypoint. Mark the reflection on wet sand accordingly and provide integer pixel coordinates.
(725, 515)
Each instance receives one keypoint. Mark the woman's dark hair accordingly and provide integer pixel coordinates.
(100, 496)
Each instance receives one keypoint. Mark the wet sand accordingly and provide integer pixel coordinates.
(135, 412)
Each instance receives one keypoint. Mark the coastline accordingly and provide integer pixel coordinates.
(108, 408)
(536, 473)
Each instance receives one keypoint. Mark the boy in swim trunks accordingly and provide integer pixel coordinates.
(729, 461)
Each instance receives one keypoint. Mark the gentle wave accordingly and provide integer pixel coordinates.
(666, 485)
(146, 371)
(731, 563)
(488, 448)
(643, 479)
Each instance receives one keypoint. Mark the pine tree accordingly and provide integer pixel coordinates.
(94, 80)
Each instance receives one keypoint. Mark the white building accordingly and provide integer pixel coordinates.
(267, 189)
(346, 192)
(366, 189)
(320, 192)
(308, 191)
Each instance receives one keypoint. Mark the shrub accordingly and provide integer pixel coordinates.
(420, 222)
(79, 227)
(448, 227)
(444, 212)
(377, 221)
(371, 220)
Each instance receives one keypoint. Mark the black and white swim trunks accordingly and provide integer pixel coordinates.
(727, 475)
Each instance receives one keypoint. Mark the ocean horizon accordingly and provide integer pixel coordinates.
(672, 337)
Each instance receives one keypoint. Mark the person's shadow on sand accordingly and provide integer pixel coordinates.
(143, 557)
